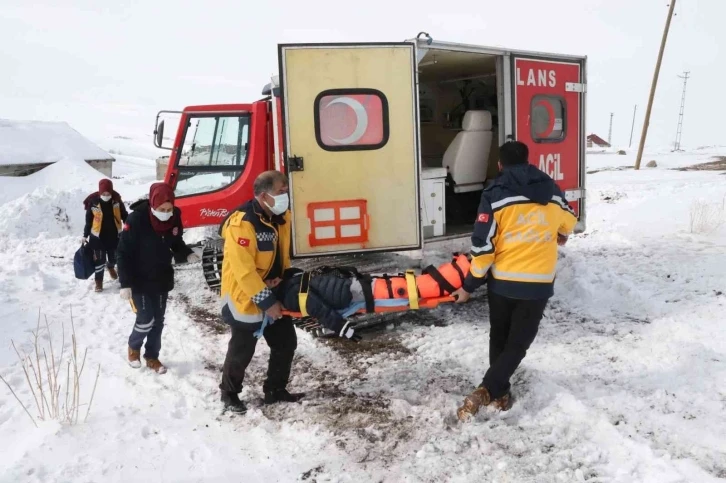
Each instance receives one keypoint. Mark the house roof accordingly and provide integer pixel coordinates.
(41, 142)
(598, 140)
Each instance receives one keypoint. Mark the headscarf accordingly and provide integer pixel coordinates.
(104, 186)
(160, 193)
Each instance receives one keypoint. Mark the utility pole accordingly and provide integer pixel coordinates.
(679, 132)
(610, 131)
(646, 121)
(632, 128)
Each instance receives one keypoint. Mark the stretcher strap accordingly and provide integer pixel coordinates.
(389, 285)
(459, 271)
(302, 296)
(412, 290)
(366, 284)
(444, 285)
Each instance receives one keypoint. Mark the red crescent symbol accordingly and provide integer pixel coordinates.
(361, 115)
(551, 113)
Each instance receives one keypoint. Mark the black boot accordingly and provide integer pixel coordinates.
(282, 395)
(232, 403)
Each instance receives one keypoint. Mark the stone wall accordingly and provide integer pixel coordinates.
(104, 166)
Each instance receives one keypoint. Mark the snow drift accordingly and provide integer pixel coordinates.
(47, 203)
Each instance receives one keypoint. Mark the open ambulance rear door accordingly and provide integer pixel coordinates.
(350, 113)
(549, 114)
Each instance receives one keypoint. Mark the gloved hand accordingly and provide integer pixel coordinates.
(84, 240)
(126, 293)
(193, 258)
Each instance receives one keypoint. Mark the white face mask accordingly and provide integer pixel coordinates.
(282, 202)
(106, 197)
(162, 216)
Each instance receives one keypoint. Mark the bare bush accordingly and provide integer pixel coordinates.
(44, 378)
(707, 217)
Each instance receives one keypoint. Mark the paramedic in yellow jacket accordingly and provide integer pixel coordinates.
(256, 255)
(522, 218)
(105, 215)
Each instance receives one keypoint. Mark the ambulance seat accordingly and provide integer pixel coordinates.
(467, 157)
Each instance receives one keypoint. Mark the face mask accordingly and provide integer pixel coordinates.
(162, 216)
(281, 203)
(106, 197)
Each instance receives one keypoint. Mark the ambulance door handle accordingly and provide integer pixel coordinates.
(295, 163)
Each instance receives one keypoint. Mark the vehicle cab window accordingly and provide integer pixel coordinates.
(213, 154)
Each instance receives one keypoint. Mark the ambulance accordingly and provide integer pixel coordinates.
(387, 145)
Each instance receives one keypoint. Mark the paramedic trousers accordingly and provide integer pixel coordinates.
(282, 340)
(150, 309)
(103, 259)
(514, 325)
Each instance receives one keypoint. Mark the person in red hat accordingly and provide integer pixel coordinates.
(105, 214)
(151, 236)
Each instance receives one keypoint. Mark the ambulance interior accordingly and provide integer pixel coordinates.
(459, 106)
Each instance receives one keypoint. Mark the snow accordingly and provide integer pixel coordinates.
(624, 382)
(49, 203)
(38, 142)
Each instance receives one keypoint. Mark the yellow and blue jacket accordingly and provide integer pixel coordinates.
(514, 244)
(94, 214)
(256, 248)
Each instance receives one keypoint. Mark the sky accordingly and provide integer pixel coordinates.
(108, 67)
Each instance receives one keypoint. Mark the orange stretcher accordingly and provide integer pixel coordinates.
(402, 292)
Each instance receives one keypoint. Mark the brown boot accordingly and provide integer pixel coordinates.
(503, 403)
(156, 366)
(472, 403)
(99, 286)
(134, 358)
(112, 273)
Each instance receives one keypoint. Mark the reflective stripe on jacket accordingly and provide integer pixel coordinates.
(251, 243)
(514, 244)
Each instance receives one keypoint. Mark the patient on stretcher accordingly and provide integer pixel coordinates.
(331, 293)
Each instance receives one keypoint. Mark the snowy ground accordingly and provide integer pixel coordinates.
(625, 382)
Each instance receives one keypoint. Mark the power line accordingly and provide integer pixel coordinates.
(679, 131)
(610, 131)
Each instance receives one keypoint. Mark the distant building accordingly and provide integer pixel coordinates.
(595, 140)
(29, 146)
(162, 163)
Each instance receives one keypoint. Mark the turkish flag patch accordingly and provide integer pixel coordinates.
(126, 227)
(483, 218)
(243, 242)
